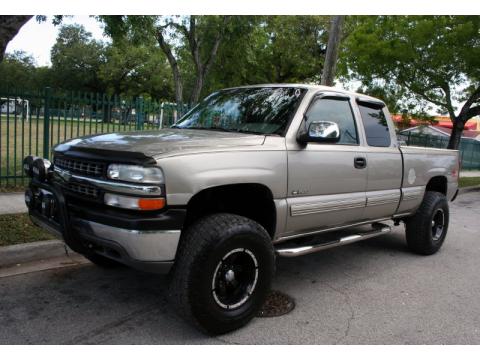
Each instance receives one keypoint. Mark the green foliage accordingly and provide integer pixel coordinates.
(134, 70)
(271, 49)
(255, 49)
(76, 60)
(422, 60)
(18, 68)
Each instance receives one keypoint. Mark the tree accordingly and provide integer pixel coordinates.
(17, 68)
(270, 49)
(197, 36)
(196, 31)
(331, 57)
(133, 70)
(76, 59)
(10, 25)
(433, 59)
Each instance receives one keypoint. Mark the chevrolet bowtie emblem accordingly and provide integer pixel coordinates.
(63, 174)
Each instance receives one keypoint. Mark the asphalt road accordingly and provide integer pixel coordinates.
(374, 292)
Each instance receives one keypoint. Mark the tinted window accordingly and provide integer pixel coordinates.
(253, 110)
(338, 111)
(376, 127)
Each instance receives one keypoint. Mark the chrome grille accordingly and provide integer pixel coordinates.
(83, 189)
(78, 166)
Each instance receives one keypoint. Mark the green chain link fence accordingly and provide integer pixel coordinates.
(34, 122)
(469, 148)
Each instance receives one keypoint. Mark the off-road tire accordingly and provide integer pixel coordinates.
(204, 246)
(420, 229)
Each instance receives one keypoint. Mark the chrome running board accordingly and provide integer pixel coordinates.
(379, 229)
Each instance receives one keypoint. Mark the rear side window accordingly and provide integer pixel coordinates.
(376, 126)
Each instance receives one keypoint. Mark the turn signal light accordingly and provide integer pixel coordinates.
(151, 204)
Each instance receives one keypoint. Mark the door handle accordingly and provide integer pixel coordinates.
(360, 162)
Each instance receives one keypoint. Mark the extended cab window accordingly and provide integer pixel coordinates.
(376, 126)
(338, 111)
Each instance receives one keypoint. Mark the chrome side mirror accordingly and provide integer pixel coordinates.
(321, 131)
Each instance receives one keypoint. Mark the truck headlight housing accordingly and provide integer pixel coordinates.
(136, 174)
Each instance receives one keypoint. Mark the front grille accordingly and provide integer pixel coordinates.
(83, 167)
(81, 189)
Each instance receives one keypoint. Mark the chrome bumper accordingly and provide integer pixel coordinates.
(148, 246)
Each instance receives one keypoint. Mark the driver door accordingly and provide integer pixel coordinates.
(327, 181)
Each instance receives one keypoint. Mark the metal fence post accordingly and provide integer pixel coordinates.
(139, 113)
(46, 123)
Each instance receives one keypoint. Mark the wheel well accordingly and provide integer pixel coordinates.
(254, 201)
(437, 183)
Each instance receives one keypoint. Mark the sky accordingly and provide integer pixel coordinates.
(37, 39)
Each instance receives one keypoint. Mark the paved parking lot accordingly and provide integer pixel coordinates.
(374, 292)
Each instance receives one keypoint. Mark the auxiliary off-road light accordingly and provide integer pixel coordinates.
(29, 198)
(134, 203)
(28, 165)
(40, 169)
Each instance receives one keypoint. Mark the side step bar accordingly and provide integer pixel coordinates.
(379, 229)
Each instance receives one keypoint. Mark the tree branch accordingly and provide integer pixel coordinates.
(425, 96)
(448, 97)
(468, 104)
(166, 48)
(474, 111)
(216, 44)
(177, 77)
(194, 44)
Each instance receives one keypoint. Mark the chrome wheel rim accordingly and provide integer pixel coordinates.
(438, 224)
(235, 278)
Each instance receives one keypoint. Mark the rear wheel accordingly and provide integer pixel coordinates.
(223, 272)
(427, 229)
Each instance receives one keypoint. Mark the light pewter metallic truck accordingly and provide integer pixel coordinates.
(249, 174)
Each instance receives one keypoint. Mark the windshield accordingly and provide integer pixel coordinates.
(265, 110)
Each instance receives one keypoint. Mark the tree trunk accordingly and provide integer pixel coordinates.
(10, 25)
(197, 89)
(203, 68)
(456, 134)
(177, 77)
(331, 56)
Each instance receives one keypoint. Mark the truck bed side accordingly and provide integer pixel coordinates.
(427, 168)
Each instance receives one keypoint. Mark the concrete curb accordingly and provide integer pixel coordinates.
(467, 189)
(23, 253)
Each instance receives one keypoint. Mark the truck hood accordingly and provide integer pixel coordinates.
(161, 143)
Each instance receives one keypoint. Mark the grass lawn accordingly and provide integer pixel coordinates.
(469, 181)
(18, 229)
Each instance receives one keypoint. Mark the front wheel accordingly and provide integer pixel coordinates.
(223, 272)
(426, 230)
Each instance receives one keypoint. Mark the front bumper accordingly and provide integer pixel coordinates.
(148, 243)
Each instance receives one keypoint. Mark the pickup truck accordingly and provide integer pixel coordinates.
(249, 174)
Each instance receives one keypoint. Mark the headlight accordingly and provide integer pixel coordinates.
(135, 173)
